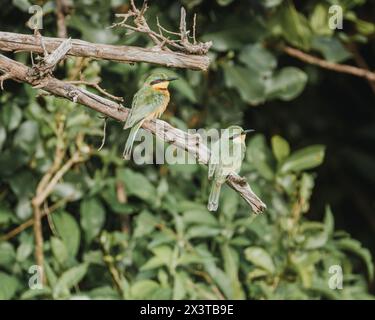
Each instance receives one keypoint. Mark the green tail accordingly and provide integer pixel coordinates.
(213, 199)
(129, 143)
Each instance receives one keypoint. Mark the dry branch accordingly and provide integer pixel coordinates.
(22, 42)
(181, 43)
(179, 138)
(342, 68)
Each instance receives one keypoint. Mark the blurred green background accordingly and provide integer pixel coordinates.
(114, 230)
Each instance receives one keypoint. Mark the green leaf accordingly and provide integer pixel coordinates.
(23, 209)
(202, 232)
(355, 247)
(27, 136)
(33, 294)
(280, 147)
(286, 84)
(319, 20)
(320, 239)
(259, 59)
(92, 218)
(21, 189)
(59, 250)
(67, 228)
(25, 249)
(260, 156)
(69, 279)
(304, 263)
(143, 289)
(8, 287)
(179, 290)
(305, 191)
(200, 217)
(11, 116)
(68, 190)
(5, 216)
(249, 84)
(162, 256)
(23, 5)
(231, 266)
(294, 26)
(137, 184)
(145, 224)
(229, 203)
(7, 254)
(306, 158)
(260, 258)
(331, 48)
(217, 274)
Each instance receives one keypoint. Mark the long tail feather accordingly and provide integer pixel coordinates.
(213, 199)
(129, 143)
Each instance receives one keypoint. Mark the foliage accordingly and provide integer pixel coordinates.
(120, 231)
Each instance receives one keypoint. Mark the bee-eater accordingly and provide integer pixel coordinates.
(148, 103)
(227, 155)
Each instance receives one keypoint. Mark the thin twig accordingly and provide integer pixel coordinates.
(343, 68)
(42, 196)
(97, 87)
(2, 79)
(11, 234)
(104, 134)
(361, 62)
(39, 255)
(194, 26)
(61, 26)
(181, 44)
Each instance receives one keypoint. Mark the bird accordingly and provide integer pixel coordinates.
(227, 154)
(148, 103)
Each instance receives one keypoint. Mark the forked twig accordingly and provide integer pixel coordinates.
(182, 42)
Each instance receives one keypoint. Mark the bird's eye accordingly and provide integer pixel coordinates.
(155, 81)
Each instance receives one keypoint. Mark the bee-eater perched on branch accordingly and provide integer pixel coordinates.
(148, 103)
(227, 155)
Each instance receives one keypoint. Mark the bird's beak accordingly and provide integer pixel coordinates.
(171, 79)
(247, 131)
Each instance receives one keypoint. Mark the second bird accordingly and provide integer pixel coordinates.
(227, 155)
(148, 103)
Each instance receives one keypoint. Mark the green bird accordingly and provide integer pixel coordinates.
(227, 155)
(148, 103)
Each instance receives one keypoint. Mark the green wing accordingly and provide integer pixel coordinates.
(145, 102)
(214, 162)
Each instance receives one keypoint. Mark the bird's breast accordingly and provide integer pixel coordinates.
(163, 103)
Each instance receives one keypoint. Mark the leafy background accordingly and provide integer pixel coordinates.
(120, 231)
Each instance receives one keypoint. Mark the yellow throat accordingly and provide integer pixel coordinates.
(160, 86)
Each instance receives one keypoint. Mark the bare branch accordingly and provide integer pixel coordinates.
(128, 54)
(2, 79)
(104, 134)
(97, 87)
(343, 68)
(172, 135)
(60, 13)
(182, 44)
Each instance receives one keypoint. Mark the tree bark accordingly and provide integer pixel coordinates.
(23, 42)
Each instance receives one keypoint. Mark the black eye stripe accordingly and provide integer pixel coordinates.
(156, 81)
